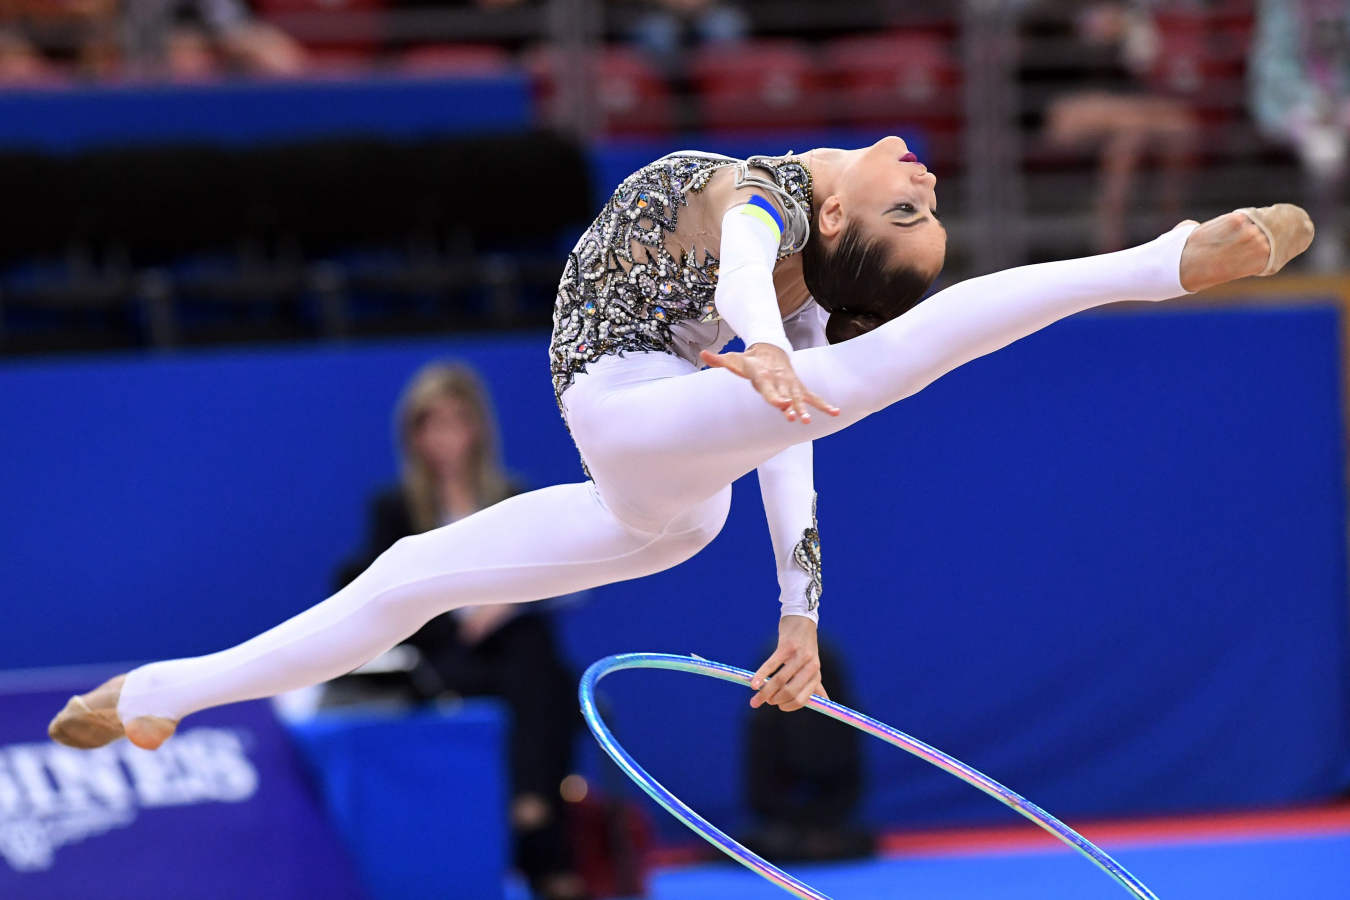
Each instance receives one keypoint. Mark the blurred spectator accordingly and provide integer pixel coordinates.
(669, 27)
(481, 4)
(39, 37)
(1113, 112)
(191, 39)
(804, 774)
(1301, 95)
(19, 60)
(451, 469)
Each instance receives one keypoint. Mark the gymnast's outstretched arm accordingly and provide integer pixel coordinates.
(787, 486)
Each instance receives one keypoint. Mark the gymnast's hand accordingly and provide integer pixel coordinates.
(768, 368)
(789, 677)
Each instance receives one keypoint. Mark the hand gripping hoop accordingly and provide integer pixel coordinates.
(772, 873)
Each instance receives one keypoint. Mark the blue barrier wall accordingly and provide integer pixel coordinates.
(420, 800)
(245, 112)
(1105, 565)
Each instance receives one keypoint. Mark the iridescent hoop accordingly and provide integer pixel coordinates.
(772, 873)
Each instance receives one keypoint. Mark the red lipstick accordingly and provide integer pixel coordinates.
(909, 157)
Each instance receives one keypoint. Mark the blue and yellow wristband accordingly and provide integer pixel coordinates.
(762, 210)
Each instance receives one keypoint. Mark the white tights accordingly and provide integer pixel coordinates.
(663, 443)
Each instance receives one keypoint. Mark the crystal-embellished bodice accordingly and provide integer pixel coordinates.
(640, 278)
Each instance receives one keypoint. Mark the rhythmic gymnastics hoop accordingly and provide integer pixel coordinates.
(710, 833)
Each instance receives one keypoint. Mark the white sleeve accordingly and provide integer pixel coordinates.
(787, 486)
(745, 296)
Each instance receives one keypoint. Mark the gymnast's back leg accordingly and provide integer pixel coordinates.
(535, 545)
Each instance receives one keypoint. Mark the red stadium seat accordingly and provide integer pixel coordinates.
(903, 76)
(632, 96)
(339, 62)
(353, 25)
(275, 7)
(456, 59)
(757, 85)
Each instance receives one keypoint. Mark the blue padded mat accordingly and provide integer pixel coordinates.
(1307, 868)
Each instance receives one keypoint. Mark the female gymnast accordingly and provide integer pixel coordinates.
(818, 262)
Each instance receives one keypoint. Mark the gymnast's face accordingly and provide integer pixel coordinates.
(892, 197)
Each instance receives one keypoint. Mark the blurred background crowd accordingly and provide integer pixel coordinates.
(1057, 129)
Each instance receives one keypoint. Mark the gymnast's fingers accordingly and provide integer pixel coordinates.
(820, 403)
(791, 390)
(761, 677)
(799, 700)
(796, 671)
(795, 691)
(775, 396)
(772, 684)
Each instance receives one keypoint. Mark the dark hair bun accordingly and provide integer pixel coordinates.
(859, 283)
(847, 323)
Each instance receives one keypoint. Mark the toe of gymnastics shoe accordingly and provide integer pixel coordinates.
(1288, 229)
(90, 720)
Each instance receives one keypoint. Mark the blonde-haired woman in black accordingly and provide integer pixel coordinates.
(451, 468)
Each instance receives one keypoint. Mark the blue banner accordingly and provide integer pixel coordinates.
(221, 811)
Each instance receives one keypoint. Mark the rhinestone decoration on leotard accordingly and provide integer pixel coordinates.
(807, 557)
(621, 288)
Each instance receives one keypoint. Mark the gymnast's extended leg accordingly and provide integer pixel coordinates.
(704, 430)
